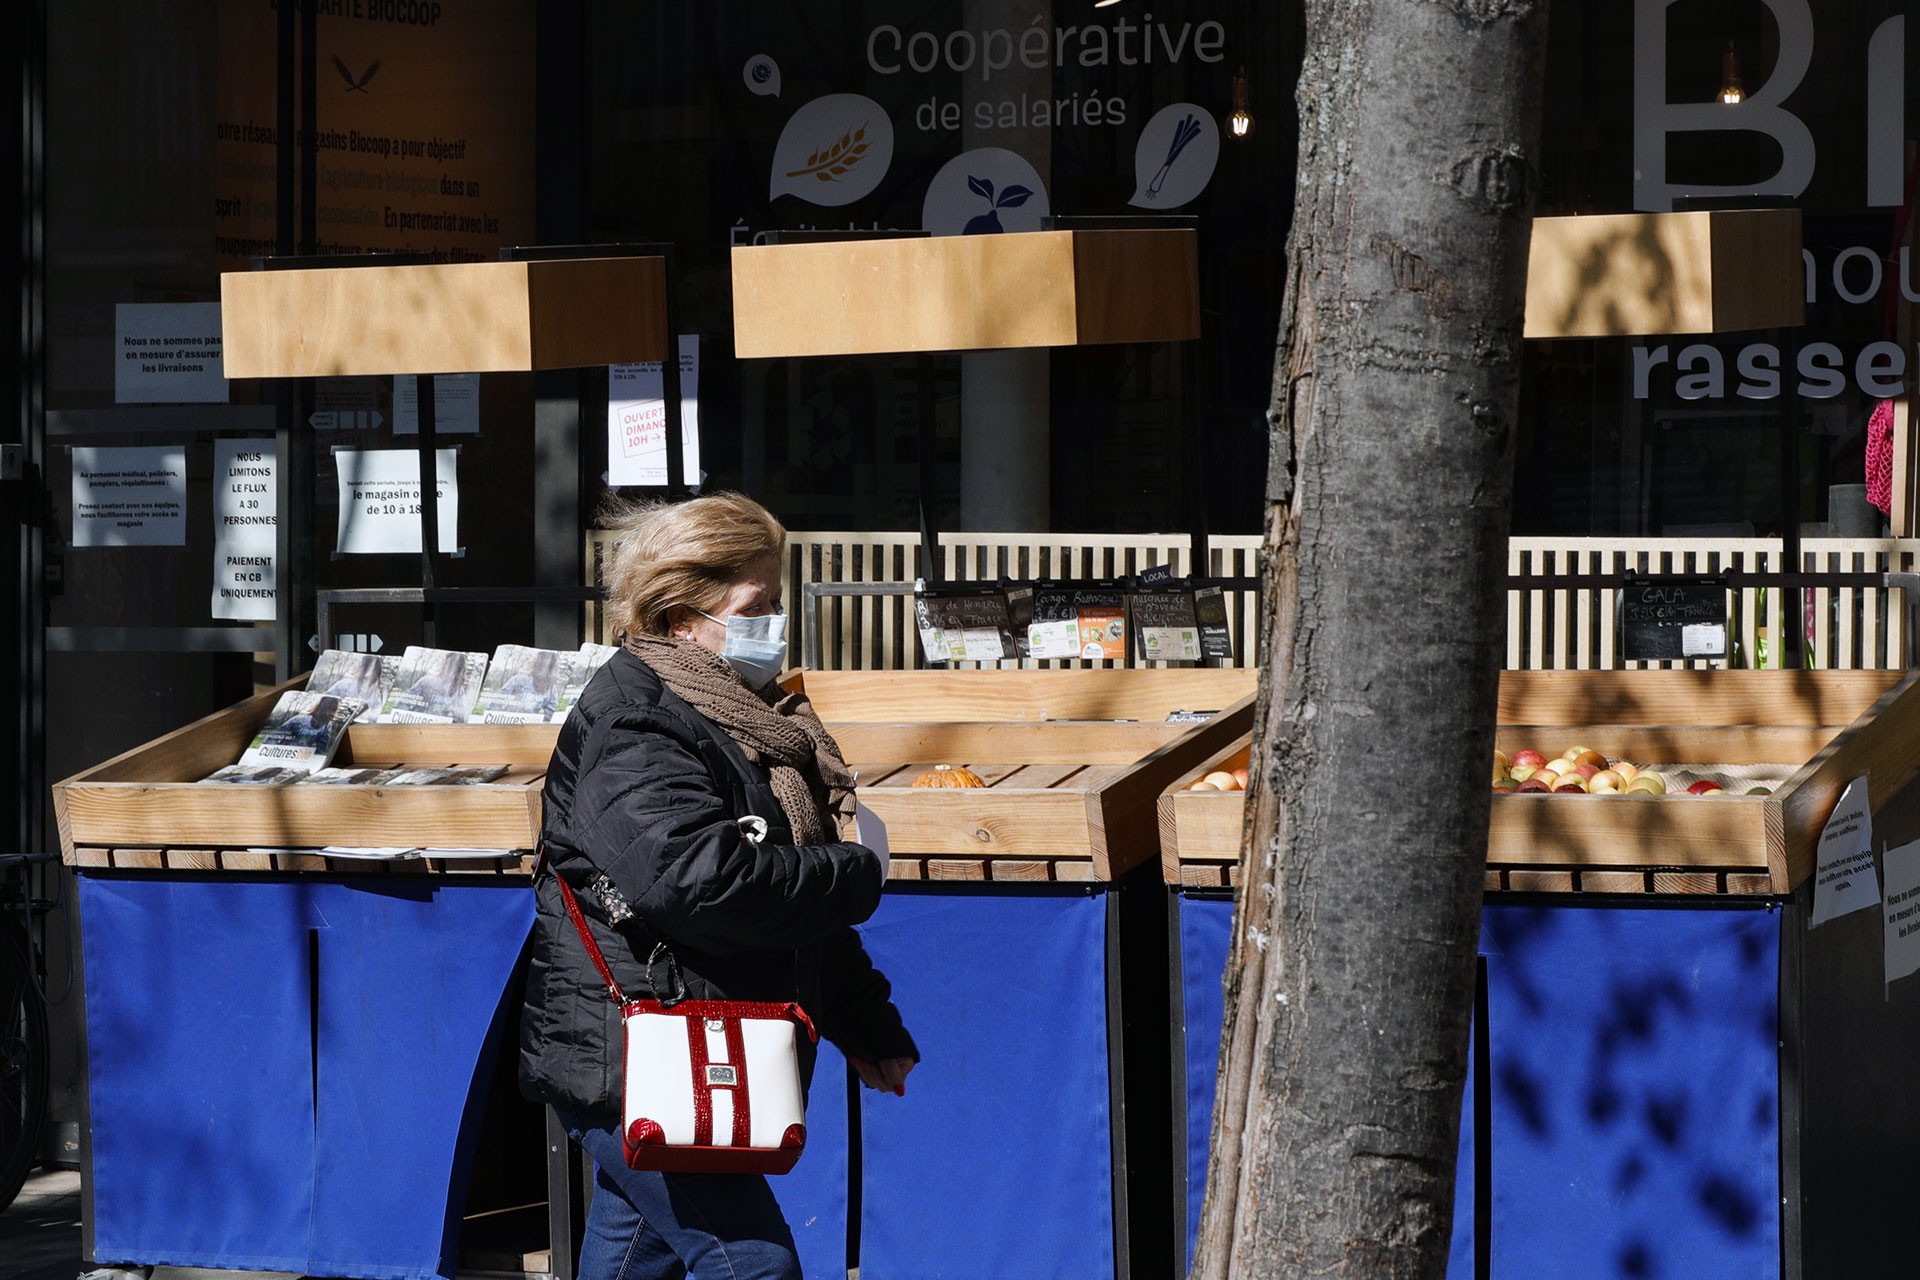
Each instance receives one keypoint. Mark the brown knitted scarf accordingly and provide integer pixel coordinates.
(778, 730)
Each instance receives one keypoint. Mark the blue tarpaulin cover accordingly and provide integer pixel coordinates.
(813, 1195)
(1634, 1088)
(997, 1163)
(279, 1071)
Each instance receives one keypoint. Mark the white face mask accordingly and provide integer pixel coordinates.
(755, 647)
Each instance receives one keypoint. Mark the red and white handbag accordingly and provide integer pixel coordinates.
(711, 1086)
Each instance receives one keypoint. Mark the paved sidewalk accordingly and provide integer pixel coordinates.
(40, 1237)
(40, 1231)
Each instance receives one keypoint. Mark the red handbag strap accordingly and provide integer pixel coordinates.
(593, 948)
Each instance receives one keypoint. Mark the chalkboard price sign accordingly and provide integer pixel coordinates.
(1673, 618)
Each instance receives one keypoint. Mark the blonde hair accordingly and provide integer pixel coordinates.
(681, 553)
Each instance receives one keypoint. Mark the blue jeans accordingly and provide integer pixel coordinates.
(661, 1226)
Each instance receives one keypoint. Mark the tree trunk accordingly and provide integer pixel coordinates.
(1396, 390)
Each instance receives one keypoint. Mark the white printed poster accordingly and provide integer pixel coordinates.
(1901, 913)
(637, 420)
(168, 353)
(245, 524)
(380, 500)
(456, 404)
(134, 497)
(1843, 876)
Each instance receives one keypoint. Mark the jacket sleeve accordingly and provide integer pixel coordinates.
(857, 1011)
(650, 816)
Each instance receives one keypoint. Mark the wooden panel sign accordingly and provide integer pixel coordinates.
(1671, 619)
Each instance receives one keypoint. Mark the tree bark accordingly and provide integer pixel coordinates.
(1396, 390)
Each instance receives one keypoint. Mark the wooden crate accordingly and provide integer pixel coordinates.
(958, 293)
(1074, 761)
(1824, 728)
(145, 809)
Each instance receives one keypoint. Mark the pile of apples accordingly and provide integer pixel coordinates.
(1584, 770)
(1222, 780)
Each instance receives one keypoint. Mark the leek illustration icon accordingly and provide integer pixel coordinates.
(1186, 132)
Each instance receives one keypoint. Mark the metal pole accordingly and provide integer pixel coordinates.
(429, 499)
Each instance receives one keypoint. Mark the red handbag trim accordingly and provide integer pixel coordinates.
(702, 1091)
(650, 1154)
(743, 1089)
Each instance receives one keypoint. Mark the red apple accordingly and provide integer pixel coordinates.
(1528, 756)
(1703, 786)
(1533, 784)
(1240, 776)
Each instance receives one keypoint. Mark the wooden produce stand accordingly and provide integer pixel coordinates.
(1022, 934)
(147, 809)
(247, 995)
(1072, 760)
(1655, 996)
(1817, 729)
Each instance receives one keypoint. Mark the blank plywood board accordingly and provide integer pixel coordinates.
(958, 293)
(1612, 275)
(468, 317)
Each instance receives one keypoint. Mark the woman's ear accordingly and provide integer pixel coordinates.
(679, 622)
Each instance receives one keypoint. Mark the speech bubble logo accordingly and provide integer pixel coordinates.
(982, 191)
(1175, 157)
(833, 151)
(762, 75)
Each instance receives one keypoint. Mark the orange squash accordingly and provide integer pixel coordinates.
(949, 775)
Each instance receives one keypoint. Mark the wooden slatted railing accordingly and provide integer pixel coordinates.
(1551, 626)
(1845, 628)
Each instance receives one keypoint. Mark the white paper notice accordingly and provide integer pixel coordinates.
(870, 831)
(1703, 640)
(637, 419)
(1843, 875)
(168, 353)
(245, 519)
(456, 405)
(1902, 911)
(380, 500)
(130, 497)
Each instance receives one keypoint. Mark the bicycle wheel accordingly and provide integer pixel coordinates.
(23, 1064)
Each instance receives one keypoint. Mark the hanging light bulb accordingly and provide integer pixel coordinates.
(1731, 90)
(1241, 121)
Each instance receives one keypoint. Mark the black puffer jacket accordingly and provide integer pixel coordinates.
(643, 799)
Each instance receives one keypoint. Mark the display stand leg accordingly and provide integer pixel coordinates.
(930, 568)
(429, 501)
(565, 1202)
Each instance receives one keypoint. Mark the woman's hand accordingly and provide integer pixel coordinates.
(889, 1075)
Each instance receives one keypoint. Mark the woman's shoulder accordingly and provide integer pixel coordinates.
(626, 691)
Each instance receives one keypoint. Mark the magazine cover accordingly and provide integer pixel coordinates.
(260, 776)
(364, 677)
(348, 777)
(523, 686)
(463, 776)
(302, 731)
(590, 659)
(434, 686)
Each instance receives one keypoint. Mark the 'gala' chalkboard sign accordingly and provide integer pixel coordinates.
(1673, 618)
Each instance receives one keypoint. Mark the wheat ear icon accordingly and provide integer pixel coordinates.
(828, 164)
